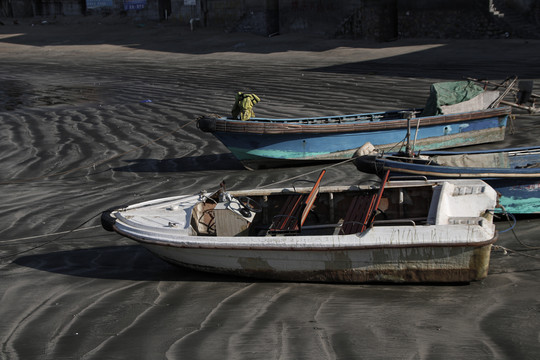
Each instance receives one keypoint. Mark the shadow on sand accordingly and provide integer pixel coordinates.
(129, 262)
(444, 59)
(213, 162)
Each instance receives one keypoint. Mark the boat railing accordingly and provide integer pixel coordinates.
(337, 226)
(460, 220)
(410, 221)
(409, 177)
(336, 119)
(410, 159)
(328, 119)
(398, 221)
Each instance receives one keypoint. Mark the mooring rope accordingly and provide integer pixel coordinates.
(513, 225)
(506, 250)
(49, 234)
(306, 173)
(62, 234)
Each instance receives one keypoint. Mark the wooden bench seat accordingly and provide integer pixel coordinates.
(358, 214)
(361, 211)
(295, 210)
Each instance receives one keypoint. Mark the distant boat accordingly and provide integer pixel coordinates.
(266, 142)
(414, 231)
(513, 172)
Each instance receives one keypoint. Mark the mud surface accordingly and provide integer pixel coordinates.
(96, 116)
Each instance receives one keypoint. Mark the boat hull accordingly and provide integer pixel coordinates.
(439, 264)
(268, 144)
(518, 195)
(427, 232)
(514, 179)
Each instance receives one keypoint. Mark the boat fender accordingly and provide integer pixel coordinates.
(107, 221)
(366, 149)
(207, 124)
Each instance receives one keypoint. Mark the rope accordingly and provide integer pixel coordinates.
(401, 145)
(506, 250)
(51, 234)
(508, 215)
(308, 173)
(98, 162)
(512, 127)
(62, 234)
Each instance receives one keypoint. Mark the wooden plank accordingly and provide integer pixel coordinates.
(311, 198)
(359, 216)
(289, 213)
(296, 209)
(356, 214)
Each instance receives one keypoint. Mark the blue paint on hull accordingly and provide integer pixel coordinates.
(518, 196)
(337, 146)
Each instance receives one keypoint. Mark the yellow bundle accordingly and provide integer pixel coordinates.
(243, 106)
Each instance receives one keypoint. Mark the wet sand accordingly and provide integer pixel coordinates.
(96, 116)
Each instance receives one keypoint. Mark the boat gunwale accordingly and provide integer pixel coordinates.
(263, 127)
(523, 149)
(465, 175)
(442, 171)
(184, 245)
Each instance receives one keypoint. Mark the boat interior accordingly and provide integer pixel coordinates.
(311, 211)
(337, 119)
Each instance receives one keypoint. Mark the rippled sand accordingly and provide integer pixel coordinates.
(92, 117)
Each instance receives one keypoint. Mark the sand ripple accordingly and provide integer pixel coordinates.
(89, 127)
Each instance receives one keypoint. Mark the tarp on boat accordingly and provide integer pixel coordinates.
(450, 93)
(497, 160)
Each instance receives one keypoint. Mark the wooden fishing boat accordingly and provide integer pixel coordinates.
(414, 231)
(267, 142)
(513, 172)
(456, 114)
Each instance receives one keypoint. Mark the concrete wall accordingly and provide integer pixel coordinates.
(256, 16)
(313, 15)
(380, 20)
(451, 19)
(371, 19)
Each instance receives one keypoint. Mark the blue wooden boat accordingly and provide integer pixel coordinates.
(267, 142)
(513, 172)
